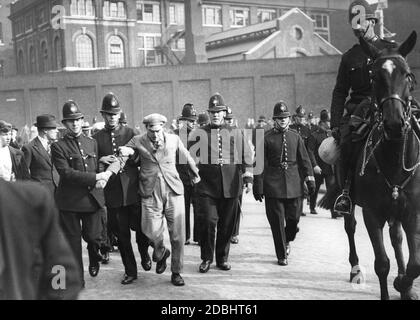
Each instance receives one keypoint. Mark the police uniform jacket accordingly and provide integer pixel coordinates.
(76, 161)
(161, 161)
(314, 142)
(32, 245)
(227, 165)
(40, 165)
(353, 73)
(281, 176)
(121, 189)
(184, 170)
(303, 131)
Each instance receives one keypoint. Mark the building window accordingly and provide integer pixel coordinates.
(21, 63)
(322, 24)
(28, 23)
(57, 52)
(212, 15)
(148, 11)
(42, 16)
(114, 9)
(84, 51)
(265, 15)
(115, 52)
(82, 8)
(178, 44)
(239, 17)
(149, 56)
(43, 66)
(32, 60)
(176, 14)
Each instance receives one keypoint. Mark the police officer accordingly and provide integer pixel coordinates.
(230, 121)
(203, 119)
(303, 130)
(121, 193)
(353, 77)
(79, 195)
(323, 171)
(221, 184)
(285, 156)
(187, 123)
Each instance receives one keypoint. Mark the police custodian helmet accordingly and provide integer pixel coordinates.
(188, 112)
(280, 110)
(110, 104)
(71, 111)
(216, 103)
(355, 11)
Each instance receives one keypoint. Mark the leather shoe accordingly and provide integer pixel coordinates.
(204, 266)
(283, 262)
(105, 258)
(224, 266)
(161, 264)
(177, 280)
(94, 270)
(128, 279)
(146, 263)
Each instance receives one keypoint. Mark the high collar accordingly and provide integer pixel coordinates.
(109, 129)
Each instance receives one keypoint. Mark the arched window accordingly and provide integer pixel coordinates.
(115, 52)
(43, 67)
(84, 51)
(32, 60)
(21, 65)
(57, 53)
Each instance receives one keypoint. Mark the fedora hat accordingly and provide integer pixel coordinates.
(45, 121)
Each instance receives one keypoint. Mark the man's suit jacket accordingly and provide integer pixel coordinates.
(121, 189)
(162, 160)
(19, 166)
(40, 165)
(77, 163)
(32, 244)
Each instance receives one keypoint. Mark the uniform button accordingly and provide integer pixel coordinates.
(113, 143)
(115, 150)
(81, 150)
(86, 165)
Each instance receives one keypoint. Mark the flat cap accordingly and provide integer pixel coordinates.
(154, 118)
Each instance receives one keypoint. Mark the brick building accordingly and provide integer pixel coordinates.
(129, 33)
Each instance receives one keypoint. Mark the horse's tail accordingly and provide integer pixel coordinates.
(328, 200)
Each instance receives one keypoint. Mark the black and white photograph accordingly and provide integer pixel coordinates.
(209, 158)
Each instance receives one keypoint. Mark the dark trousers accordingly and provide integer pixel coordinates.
(216, 213)
(189, 198)
(319, 180)
(129, 218)
(106, 244)
(86, 225)
(238, 217)
(112, 228)
(283, 216)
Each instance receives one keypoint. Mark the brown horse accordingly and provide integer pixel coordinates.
(387, 182)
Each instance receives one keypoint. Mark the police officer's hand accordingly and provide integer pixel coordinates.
(248, 187)
(196, 179)
(108, 159)
(126, 151)
(258, 196)
(335, 133)
(311, 187)
(317, 170)
(103, 176)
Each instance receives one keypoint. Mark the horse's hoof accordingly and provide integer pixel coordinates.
(409, 295)
(356, 275)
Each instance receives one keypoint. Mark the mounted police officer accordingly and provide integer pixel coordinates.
(354, 78)
(285, 156)
(187, 122)
(121, 193)
(79, 195)
(222, 180)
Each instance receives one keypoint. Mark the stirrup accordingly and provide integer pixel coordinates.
(343, 203)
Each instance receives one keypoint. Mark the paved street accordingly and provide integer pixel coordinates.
(318, 267)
